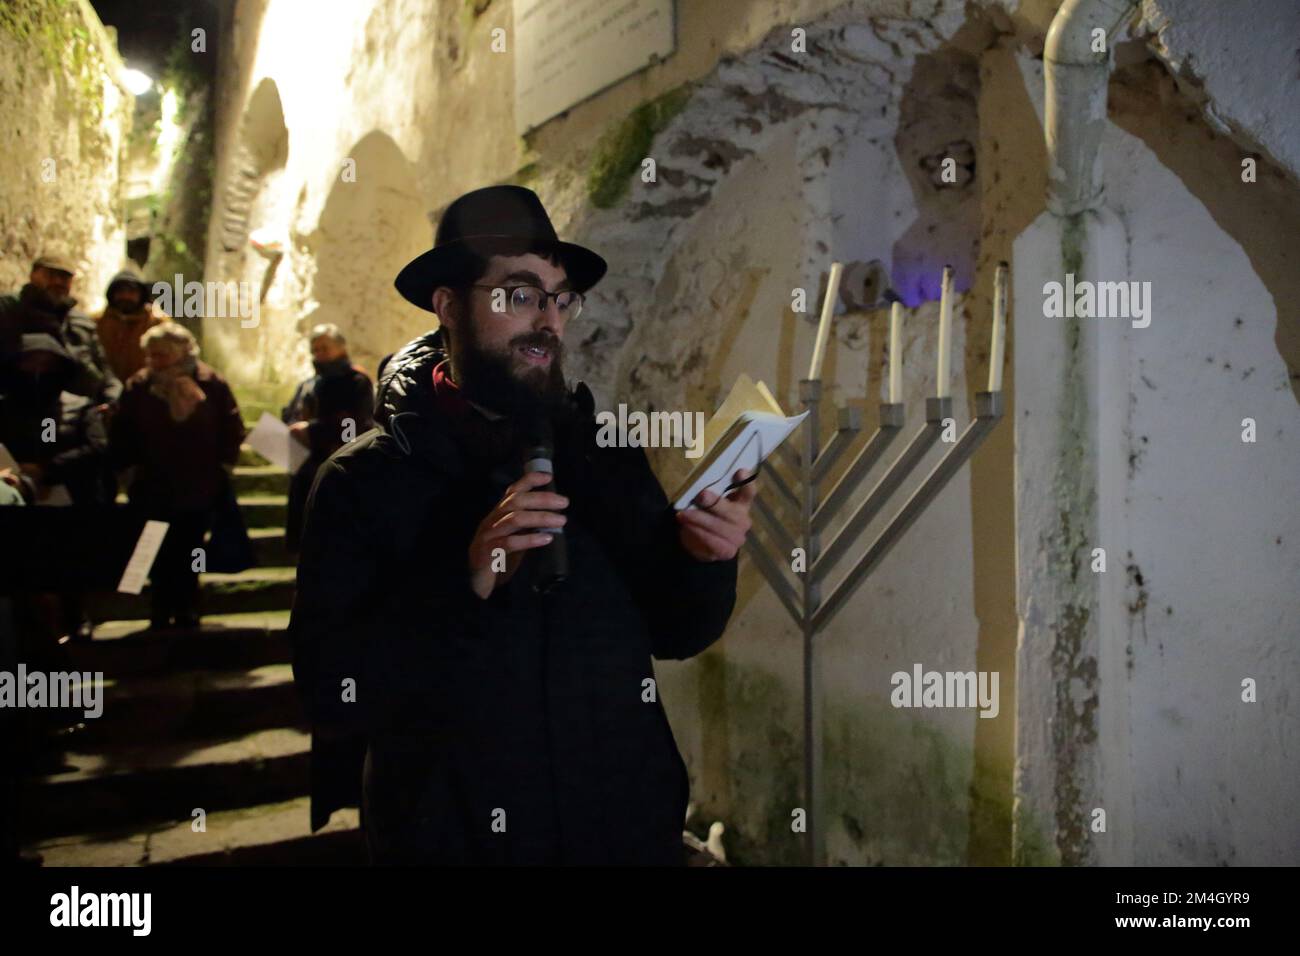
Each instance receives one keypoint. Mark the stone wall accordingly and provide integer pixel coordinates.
(63, 118)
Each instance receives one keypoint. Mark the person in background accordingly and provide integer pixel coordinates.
(31, 381)
(45, 305)
(178, 430)
(30, 385)
(319, 414)
(129, 314)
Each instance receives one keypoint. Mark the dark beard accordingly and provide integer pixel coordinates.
(488, 379)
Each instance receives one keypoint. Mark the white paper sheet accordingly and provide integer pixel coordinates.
(270, 438)
(146, 549)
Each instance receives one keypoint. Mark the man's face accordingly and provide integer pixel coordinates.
(54, 282)
(325, 349)
(126, 298)
(506, 360)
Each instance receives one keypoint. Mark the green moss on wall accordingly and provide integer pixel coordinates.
(525, 175)
(1032, 846)
(181, 221)
(1074, 668)
(895, 788)
(621, 149)
(57, 36)
(754, 786)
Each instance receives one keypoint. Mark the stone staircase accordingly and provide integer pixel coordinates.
(203, 719)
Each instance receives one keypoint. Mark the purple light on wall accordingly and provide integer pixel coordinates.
(915, 285)
(917, 282)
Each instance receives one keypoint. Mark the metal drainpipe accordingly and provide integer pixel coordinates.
(1076, 100)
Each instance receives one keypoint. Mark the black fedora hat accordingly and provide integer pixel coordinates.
(495, 218)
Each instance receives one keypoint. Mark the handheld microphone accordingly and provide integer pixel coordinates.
(550, 561)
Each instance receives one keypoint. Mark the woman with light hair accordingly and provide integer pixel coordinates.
(178, 430)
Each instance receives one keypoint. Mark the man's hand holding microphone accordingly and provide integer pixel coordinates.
(513, 527)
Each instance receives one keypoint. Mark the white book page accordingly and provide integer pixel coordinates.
(760, 434)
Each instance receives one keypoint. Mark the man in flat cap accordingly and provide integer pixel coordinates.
(45, 306)
(489, 708)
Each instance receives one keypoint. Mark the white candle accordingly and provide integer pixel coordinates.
(824, 327)
(945, 333)
(895, 353)
(998, 349)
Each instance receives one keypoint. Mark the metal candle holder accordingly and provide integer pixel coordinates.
(805, 602)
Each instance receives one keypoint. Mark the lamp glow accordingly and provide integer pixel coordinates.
(138, 83)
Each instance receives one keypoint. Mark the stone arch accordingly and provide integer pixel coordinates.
(776, 164)
(256, 202)
(373, 222)
(263, 149)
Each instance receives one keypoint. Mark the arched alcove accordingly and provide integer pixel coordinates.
(775, 165)
(254, 204)
(263, 150)
(372, 223)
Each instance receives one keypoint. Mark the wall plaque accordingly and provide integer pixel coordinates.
(568, 50)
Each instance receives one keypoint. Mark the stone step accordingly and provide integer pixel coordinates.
(257, 589)
(192, 705)
(252, 410)
(250, 458)
(264, 511)
(156, 781)
(270, 549)
(260, 480)
(269, 834)
(223, 642)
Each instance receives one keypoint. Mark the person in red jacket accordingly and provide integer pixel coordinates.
(177, 432)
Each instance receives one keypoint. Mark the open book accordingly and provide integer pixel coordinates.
(745, 429)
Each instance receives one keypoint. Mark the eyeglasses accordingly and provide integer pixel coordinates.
(528, 301)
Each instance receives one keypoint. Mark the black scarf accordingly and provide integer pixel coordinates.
(338, 366)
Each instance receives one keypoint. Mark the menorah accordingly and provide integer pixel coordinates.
(804, 601)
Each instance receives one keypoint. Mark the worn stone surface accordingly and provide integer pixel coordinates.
(63, 119)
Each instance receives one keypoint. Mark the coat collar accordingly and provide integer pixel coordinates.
(406, 408)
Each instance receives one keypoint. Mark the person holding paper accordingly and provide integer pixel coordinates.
(332, 407)
(476, 718)
(178, 430)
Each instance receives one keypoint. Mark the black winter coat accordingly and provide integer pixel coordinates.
(325, 401)
(530, 710)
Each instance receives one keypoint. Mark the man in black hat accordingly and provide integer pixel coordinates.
(501, 717)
